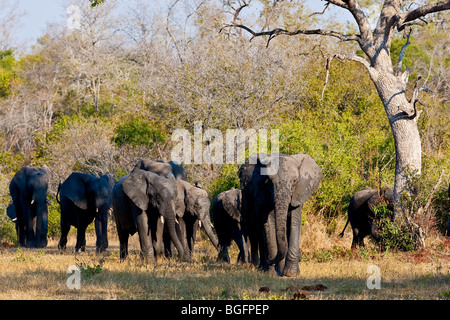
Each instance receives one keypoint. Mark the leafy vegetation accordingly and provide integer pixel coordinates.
(98, 98)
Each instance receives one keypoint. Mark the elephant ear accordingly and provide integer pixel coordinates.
(74, 188)
(308, 180)
(135, 187)
(231, 201)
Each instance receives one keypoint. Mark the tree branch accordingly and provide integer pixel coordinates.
(402, 53)
(322, 12)
(360, 17)
(279, 31)
(420, 12)
(339, 3)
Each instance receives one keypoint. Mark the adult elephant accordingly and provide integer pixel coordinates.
(274, 189)
(361, 213)
(227, 216)
(139, 200)
(165, 169)
(28, 189)
(83, 198)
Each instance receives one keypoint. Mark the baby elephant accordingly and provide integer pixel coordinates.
(361, 213)
(227, 217)
(83, 198)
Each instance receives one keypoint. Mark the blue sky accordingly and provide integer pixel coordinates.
(40, 12)
(37, 14)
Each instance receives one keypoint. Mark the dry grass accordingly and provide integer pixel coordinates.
(42, 274)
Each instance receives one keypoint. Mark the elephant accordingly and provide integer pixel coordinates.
(227, 216)
(139, 200)
(28, 189)
(84, 197)
(192, 206)
(361, 213)
(165, 169)
(274, 189)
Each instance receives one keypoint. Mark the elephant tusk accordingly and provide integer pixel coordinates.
(162, 219)
(96, 210)
(32, 201)
(199, 223)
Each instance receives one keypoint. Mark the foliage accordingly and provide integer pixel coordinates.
(392, 235)
(7, 228)
(226, 180)
(137, 133)
(97, 99)
(352, 156)
(95, 3)
(7, 72)
(89, 269)
(54, 219)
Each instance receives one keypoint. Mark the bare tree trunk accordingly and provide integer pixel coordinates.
(403, 122)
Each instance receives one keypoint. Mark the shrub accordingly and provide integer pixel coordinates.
(227, 179)
(54, 219)
(137, 133)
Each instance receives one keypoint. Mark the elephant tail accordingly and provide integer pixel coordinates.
(57, 193)
(342, 233)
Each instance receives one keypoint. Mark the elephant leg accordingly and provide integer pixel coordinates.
(182, 233)
(20, 225)
(158, 234)
(361, 241)
(239, 239)
(167, 243)
(181, 228)
(291, 268)
(29, 229)
(80, 246)
(65, 228)
(355, 239)
(145, 238)
(223, 254)
(191, 233)
(254, 246)
(123, 240)
(101, 234)
(269, 243)
(251, 226)
(224, 241)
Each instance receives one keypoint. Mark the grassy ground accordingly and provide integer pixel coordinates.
(42, 273)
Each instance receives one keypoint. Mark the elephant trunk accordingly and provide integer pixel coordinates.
(174, 236)
(41, 223)
(280, 213)
(206, 224)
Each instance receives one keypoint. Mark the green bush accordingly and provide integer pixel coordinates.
(137, 133)
(227, 179)
(392, 235)
(54, 219)
(7, 228)
(7, 72)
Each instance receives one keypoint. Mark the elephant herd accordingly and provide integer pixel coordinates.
(263, 217)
